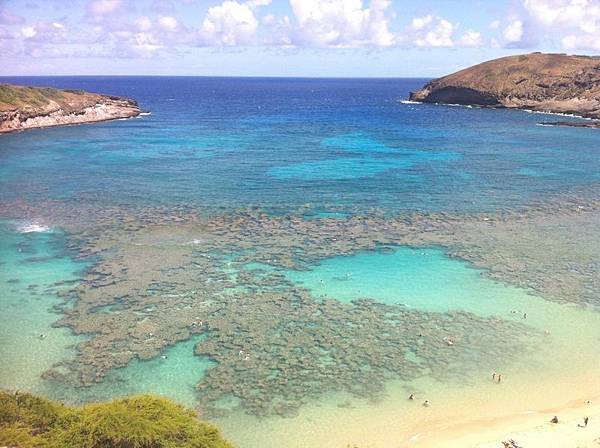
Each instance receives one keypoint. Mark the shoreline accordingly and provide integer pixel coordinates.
(24, 107)
(89, 115)
(528, 428)
(582, 122)
(74, 123)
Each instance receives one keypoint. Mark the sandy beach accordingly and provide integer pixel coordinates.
(528, 429)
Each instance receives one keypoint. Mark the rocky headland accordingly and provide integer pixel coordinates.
(35, 107)
(556, 83)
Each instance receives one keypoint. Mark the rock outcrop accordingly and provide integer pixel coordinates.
(541, 82)
(35, 107)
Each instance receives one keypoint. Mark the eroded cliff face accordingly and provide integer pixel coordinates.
(31, 107)
(541, 82)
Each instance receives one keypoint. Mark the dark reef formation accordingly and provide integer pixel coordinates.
(162, 275)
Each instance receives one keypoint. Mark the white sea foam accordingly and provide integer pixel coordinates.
(468, 106)
(410, 102)
(560, 114)
(143, 114)
(31, 227)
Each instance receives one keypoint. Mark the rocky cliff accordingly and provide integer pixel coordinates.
(34, 107)
(540, 82)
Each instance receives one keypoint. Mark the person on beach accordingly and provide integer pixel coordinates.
(426, 403)
(499, 378)
(411, 397)
(585, 422)
(494, 376)
(554, 419)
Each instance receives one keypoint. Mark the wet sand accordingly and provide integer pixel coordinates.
(530, 429)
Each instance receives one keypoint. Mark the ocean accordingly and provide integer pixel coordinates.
(294, 257)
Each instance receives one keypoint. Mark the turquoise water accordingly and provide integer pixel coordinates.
(423, 279)
(426, 279)
(370, 164)
(316, 148)
(31, 265)
(173, 374)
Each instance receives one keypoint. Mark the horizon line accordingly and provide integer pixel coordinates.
(218, 76)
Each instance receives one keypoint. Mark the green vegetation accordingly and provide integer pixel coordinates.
(17, 96)
(144, 421)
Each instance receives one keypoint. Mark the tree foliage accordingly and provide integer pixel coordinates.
(143, 421)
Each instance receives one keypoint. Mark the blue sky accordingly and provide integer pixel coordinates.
(284, 37)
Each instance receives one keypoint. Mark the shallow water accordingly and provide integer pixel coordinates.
(32, 263)
(105, 209)
(426, 279)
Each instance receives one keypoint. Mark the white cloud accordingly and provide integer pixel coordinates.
(495, 25)
(143, 45)
(471, 39)
(143, 23)
(583, 42)
(168, 23)
(230, 23)
(341, 23)
(584, 14)
(28, 32)
(430, 31)
(513, 33)
(256, 3)
(577, 21)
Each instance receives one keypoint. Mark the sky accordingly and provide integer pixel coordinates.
(333, 38)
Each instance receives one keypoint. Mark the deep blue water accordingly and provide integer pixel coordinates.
(282, 143)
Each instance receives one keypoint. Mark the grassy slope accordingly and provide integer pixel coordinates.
(27, 421)
(21, 97)
(525, 75)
